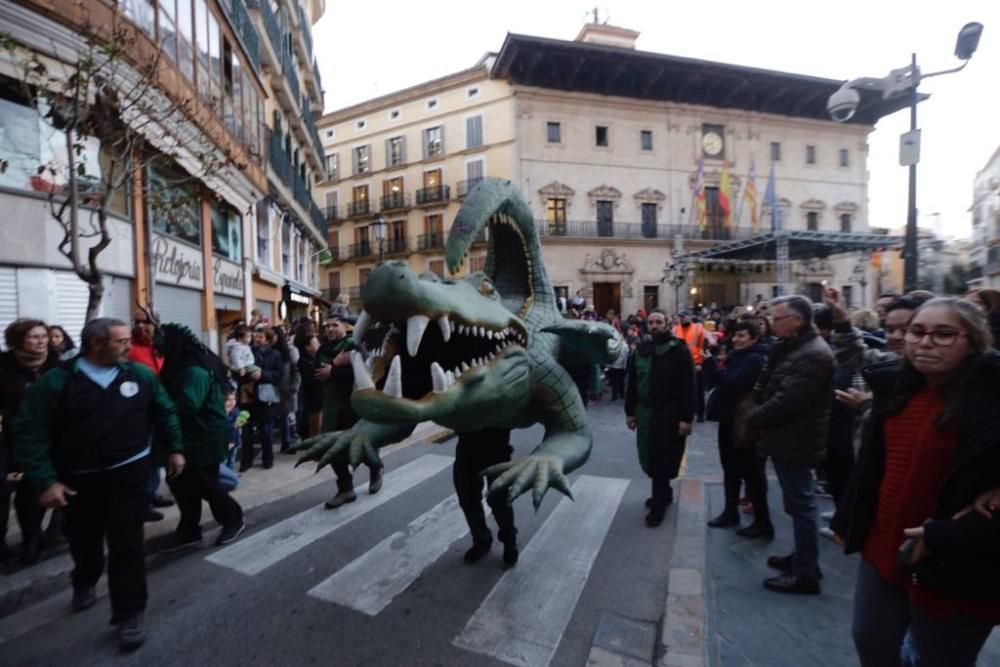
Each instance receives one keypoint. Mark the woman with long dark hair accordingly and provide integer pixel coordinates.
(928, 565)
(61, 343)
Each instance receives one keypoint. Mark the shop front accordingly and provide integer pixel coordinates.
(179, 280)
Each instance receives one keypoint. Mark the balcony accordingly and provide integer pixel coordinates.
(433, 195)
(243, 26)
(395, 201)
(359, 207)
(433, 241)
(317, 217)
(637, 231)
(358, 250)
(354, 292)
(463, 188)
(330, 213)
(289, 177)
(394, 246)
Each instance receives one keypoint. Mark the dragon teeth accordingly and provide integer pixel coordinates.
(438, 378)
(416, 325)
(362, 379)
(394, 382)
(445, 327)
(450, 377)
(464, 367)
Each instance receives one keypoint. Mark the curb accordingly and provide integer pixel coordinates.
(683, 640)
(51, 575)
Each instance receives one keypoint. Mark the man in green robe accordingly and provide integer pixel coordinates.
(659, 407)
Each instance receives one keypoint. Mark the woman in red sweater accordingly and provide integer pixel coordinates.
(928, 566)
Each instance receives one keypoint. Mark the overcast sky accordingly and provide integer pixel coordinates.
(366, 49)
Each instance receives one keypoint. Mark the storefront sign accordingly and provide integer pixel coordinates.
(227, 278)
(177, 264)
(299, 298)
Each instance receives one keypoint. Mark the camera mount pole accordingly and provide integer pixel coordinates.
(910, 256)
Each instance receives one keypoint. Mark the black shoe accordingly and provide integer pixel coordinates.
(230, 533)
(84, 598)
(375, 480)
(649, 502)
(510, 553)
(477, 551)
(152, 516)
(655, 516)
(785, 564)
(182, 543)
(267, 465)
(161, 501)
(131, 632)
(342, 498)
(757, 530)
(727, 519)
(789, 583)
(245, 466)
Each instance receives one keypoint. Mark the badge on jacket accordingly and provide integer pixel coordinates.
(129, 389)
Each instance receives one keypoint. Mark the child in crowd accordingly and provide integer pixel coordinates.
(237, 418)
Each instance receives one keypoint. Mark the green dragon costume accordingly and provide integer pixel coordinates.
(474, 352)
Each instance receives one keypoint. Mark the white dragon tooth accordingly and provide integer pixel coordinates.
(361, 326)
(450, 377)
(362, 380)
(438, 378)
(445, 327)
(461, 329)
(465, 367)
(394, 382)
(457, 373)
(489, 335)
(416, 325)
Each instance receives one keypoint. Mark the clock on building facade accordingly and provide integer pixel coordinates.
(713, 143)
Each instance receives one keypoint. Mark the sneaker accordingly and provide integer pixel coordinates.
(230, 533)
(152, 516)
(828, 533)
(132, 632)
(182, 543)
(827, 516)
(789, 583)
(84, 598)
(785, 564)
(341, 498)
(375, 480)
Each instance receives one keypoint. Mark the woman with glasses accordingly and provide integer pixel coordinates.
(928, 565)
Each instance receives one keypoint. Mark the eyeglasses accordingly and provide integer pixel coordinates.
(141, 322)
(939, 337)
(775, 320)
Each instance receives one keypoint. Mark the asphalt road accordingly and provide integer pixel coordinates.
(382, 582)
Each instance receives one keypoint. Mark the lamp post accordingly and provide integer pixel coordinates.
(378, 226)
(676, 275)
(904, 81)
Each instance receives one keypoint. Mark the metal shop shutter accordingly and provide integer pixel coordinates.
(71, 303)
(175, 304)
(8, 298)
(118, 299)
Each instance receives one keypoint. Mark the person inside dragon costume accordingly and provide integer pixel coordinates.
(484, 351)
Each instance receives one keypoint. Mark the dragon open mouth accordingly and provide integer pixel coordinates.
(420, 357)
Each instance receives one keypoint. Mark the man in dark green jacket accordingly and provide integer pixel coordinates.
(194, 377)
(83, 442)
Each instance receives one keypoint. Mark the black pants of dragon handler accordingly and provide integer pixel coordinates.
(193, 485)
(476, 451)
(110, 505)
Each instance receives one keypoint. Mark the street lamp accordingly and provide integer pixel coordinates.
(676, 274)
(378, 226)
(905, 80)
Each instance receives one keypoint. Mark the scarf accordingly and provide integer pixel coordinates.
(31, 360)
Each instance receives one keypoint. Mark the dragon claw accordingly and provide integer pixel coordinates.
(535, 472)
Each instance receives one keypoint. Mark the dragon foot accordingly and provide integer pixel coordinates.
(537, 472)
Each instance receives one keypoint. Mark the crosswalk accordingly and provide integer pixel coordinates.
(520, 622)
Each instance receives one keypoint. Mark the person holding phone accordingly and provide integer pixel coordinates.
(931, 452)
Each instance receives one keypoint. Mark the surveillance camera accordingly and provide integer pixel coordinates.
(842, 104)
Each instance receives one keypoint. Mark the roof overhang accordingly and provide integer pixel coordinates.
(609, 70)
(801, 245)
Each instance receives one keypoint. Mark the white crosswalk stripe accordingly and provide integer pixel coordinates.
(271, 545)
(370, 582)
(523, 618)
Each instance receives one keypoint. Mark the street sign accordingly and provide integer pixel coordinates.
(909, 148)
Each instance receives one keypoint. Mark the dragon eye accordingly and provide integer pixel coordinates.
(486, 288)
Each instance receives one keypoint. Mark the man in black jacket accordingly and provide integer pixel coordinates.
(659, 406)
(793, 397)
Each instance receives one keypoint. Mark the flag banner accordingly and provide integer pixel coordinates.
(727, 219)
(877, 259)
(750, 195)
(325, 256)
(699, 196)
(771, 198)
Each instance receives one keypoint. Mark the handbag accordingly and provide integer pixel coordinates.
(744, 437)
(267, 393)
(228, 479)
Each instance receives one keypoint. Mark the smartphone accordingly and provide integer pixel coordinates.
(906, 550)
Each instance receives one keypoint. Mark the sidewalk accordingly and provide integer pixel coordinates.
(718, 612)
(257, 487)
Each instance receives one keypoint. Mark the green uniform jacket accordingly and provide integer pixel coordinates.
(202, 413)
(40, 410)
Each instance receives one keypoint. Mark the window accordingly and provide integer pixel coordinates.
(601, 136)
(331, 133)
(392, 193)
(215, 60)
(775, 151)
(848, 293)
(649, 220)
(477, 264)
(394, 114)
(432, 178)
(174, 206)
(810, 154)
(168, 29)
(302, 248)
(363, 276)
(553, 132)
(434, 224)
(715, 216)
(361, 124)
(362, 159)
(185, 42)
(812, 221)
(359, 193)
(650, 297)
(333, 280)
(433, 142)
(845, 158)
(286, 246)
(237, 101)
(555, 214)
(436, 266)
(431, 104)
(333, 166)
(475, 170)
(226, 225)
(646, 140)
(395, 151)
(605, 218)
(473, 131)
(142, 13)
(264, 215)
(472, 93)
(845, 222)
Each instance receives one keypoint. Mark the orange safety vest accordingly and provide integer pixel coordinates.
(695, 339)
